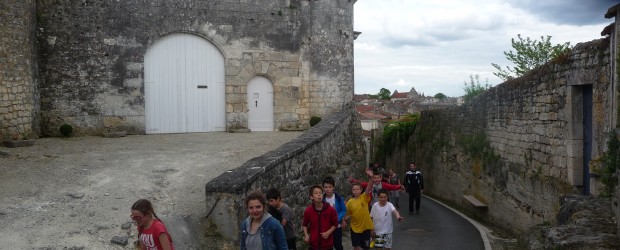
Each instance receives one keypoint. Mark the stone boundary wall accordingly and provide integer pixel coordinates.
(518, 146)
(92, 57)
(332, 147)
(18, 70)
(614, 37)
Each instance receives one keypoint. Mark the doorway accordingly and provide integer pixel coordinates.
(587, 136)
(184, 88)
(260, 104)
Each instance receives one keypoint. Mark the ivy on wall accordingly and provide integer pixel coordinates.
(477, 146)
(617, 81)
(611, 162)
(397, 133)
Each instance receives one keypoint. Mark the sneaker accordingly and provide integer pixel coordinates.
(417, 212)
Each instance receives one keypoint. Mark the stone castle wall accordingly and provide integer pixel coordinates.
(92, 54)
(18, 72)
(518, 147)
(333, 147)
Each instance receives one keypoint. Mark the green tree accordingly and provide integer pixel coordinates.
(528, 55)
(440, 96)
(474, 87)
(384, 94)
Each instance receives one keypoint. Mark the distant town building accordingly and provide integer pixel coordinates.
(373, 111)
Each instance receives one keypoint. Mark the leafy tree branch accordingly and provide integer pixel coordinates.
(529, 54)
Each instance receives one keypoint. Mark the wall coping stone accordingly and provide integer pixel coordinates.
(237, 180)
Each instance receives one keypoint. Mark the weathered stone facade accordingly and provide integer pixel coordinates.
(91, 57)
(332, 147)
(614, 48)
(518, 147)
(18, 70)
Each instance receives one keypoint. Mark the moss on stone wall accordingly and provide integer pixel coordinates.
(478, 147)
(611, 162)
(397, 133)
(617, 82)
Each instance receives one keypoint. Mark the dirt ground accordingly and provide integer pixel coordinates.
(76, 193)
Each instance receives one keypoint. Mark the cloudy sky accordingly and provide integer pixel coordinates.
(435, 45)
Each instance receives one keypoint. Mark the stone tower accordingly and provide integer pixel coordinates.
(19, 101)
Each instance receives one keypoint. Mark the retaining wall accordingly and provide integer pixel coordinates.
(518, 147)
(333, 147)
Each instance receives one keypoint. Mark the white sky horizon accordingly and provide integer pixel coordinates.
(434, 46)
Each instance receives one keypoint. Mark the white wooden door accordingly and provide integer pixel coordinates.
(184, 86)
(260, 104)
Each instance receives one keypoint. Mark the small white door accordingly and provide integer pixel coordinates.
(260, 104)
(184, 86)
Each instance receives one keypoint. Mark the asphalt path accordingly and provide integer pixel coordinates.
(436, 227)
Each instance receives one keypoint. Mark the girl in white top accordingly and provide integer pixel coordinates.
(381, 214)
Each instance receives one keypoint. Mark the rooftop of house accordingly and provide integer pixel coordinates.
(365, 108)
(371, 116)
(399, 95)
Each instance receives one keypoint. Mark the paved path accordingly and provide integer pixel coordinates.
(436, 227)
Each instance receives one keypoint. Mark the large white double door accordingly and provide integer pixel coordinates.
(184, 86)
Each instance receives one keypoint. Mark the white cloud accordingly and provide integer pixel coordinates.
(434, 45)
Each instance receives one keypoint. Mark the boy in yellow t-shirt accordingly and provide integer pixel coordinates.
(357, 210)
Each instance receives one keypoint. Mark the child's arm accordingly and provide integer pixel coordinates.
(397, 214)
(342, 212)
(280, 239)
(333, 220)
(304, 224)
(306, 236)
(165, 243)
(363, 183)
(283, 222)
(391, 187)
(351, 179)
(326, 234)
(368, 187)
(286, 216)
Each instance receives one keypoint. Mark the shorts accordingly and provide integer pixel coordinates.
(361, 239)
(383, 240)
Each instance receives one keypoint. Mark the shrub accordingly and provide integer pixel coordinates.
(611, 160)
(314, 120)
(66, 130)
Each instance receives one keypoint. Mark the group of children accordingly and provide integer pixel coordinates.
(369, 212)
(270, 224)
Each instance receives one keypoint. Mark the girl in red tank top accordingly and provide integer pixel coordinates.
(152, 233)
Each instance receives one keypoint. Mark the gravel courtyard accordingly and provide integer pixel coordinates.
(76, 193)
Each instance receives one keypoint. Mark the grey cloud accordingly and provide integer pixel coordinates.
(402, 41)
(450, 31)
(574, 12)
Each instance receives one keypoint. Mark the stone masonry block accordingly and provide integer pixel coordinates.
(134, 82)
(232, 70)
(229, 108)
(575, 171)
(575, 130)
(295, 81)
(574, 148)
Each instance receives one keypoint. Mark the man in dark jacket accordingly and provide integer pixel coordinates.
(414, 185)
